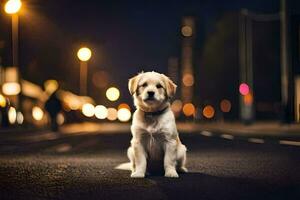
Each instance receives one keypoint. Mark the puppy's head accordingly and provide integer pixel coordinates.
(151, 90)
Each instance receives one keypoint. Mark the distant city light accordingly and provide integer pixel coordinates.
(50, 86)
(187, 31)
(20, 118)
(112, 93)
(2, 101)
(124, 114)
(37, 113)
(12, 6)
(124, 105)
(112, 114)
(244, 89)
(208, 111)
(188, 80)
(88, 110)
(11, 88)
(84, 54)
(176, 106)
(248, 99)
(188, 109)
(12, 115)
(225, 106)
(101, 112)
(60, 119)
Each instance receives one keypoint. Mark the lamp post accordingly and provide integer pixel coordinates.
(12, 7)
(83, 54)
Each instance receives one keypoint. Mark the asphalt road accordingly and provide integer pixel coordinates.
(82, 167)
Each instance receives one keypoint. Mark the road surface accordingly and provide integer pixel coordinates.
(81, 166)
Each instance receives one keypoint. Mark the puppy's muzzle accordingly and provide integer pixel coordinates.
(150, 96)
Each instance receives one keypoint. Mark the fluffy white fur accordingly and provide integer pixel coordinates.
(155, 141)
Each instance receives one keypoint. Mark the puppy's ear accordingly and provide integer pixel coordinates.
(133, 83)
(170, 86)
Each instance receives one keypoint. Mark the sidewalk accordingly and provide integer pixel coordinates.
(261, 129)
(258, 129)
(238, 129)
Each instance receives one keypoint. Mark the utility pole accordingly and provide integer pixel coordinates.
(285, 61)
(246, 66)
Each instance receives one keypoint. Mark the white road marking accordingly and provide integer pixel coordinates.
(256, 140)
(289, 142)
(227, 136)
(206, 133)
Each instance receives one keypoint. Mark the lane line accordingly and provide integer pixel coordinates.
(206, 133)
(227, 136)
(289, 142)
(256, 140)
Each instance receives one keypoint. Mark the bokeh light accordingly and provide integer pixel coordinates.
(12, 6)
(225, 106)
(188, 109)
(248, 99)
(37, 113)
(100, 79)
(20, 118)
(88, 110)
(208, 112)
(60, 119)
(11, 88)
(112, 114)
(188, 80)
(244, 89)
(12, 115)
(84, 54)
(2, 101)
(176, 106)
(124, 114)
(101, 112)
(124, 105)
(187, 31)
(51, 86)
(113, 93)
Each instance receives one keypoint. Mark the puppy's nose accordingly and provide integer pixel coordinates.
(150, 93)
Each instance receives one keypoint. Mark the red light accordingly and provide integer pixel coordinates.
(244, 89)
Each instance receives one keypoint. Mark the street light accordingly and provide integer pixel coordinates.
(12, 7)
(83, 54)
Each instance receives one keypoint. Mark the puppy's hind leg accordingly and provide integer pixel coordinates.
(130, 155)
(181, 159)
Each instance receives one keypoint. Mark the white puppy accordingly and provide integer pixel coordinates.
(155, 141)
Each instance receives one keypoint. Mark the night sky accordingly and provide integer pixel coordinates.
(125, 37)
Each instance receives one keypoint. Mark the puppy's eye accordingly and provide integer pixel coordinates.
(158, 86)
(145, 85)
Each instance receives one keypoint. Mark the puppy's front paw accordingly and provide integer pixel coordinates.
(171, 174)
(137, 175)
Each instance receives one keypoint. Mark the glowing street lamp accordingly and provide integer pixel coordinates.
(12, 6)
(83, 54)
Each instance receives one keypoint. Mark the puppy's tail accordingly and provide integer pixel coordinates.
(124, 166)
